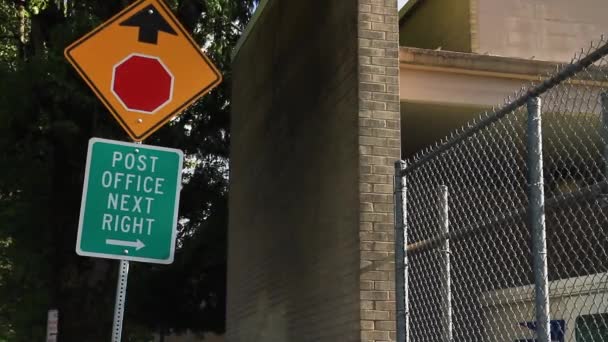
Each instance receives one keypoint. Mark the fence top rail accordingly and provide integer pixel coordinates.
(490, 117)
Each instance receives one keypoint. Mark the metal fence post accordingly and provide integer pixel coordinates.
(447, 280)
(604, 132)
(401, 268)
(536, 216)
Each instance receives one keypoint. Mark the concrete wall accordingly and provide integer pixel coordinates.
(433, 24)
(551, 30)
(293, 268)
(315, 130)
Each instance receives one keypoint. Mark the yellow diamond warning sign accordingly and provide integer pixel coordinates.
(143, 66)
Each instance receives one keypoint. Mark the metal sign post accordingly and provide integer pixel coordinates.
(121, 296)
(146, 69)
(129, 208)
(52, 325)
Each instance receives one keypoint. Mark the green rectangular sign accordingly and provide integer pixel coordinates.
(129, 202)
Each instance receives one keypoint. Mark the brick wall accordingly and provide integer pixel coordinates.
(379, 147)
(315, 131)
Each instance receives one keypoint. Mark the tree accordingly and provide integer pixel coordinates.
(47, 115)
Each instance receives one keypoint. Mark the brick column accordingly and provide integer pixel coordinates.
(379, 147)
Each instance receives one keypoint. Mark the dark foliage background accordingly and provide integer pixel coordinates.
(47, 115)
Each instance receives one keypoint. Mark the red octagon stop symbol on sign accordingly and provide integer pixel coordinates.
(142, 83)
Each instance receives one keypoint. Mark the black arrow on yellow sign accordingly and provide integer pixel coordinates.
(150, 22)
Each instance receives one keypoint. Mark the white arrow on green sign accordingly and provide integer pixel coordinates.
(129, 202)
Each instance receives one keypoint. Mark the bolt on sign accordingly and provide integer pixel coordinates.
(143, 66)
(129, 202)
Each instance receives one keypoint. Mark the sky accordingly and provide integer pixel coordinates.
(401, 3)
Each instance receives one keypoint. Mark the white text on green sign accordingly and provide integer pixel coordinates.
(129, 202)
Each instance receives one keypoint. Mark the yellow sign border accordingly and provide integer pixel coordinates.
(101, 96)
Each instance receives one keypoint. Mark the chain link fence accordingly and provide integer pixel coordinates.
(505, 223)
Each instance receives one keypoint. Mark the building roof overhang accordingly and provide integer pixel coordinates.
(471, 63)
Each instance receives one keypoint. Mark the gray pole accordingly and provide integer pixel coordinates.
(121, 294)
(447, 278)
(536, 215)
(401, 290)
(604, 133)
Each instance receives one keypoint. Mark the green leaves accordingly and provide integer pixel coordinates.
(47, 115)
